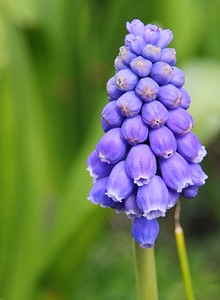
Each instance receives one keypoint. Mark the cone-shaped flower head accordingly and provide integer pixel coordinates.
(148, 156)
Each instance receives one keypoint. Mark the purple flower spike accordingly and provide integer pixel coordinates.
(162, 142)
(141, 66)
(178, 78)
(161, 72)
(147, 89)
(190, 192)
(111, 116)
(119, 184)
(175, 172)
(96, 167)
(98, 195)
(168, 55)
(141, 164)
(126, 80)
(111, 148)
(145, 231)
(189, 146)
(136, 27)
(119, 64)
(129, 104)
(152, 53)
(154, 114)
(134, 130)
(185, 99)
(148, 156)
(135, 43)
(180, 121)
(165, 38)
(112, 90)
(169, 95)
(126, 54)
(197, 174)
(152, 198)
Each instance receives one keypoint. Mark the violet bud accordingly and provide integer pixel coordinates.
(141, 66)
(162, 142)
(135, 43)
(147, 89)
(111, 116)
(96, 167)
(111, 147)
(151, 34)
(136, 27)
(126, 54)
(197, 174)
(161, 72)
(119, 64)
(119, 185)
(145, 231)
(189, 146)
(178, 78)
(175, 172)
(97, 194)
(190, 192)
(152, 198)
(154, 114)
(112, 90)
(180, 121)
(141, 164)
(126, 80)
(185, 99)
(151, 52)
(165, 38)
(134, 130)
(168, 55)
(130, 104)
(169, 95)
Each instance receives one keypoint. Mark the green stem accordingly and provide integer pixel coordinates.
(145, 273)
(181, 248)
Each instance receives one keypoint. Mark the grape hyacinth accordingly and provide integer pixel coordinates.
(147, 157)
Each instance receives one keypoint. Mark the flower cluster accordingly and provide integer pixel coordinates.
(148, 155)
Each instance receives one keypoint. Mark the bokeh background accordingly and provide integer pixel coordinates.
(55, 59)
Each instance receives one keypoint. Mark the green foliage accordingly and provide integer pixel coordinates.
(55, 58)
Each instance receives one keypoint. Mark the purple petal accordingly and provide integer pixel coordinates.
(131, 208)
(141, 164)
(126, 54)
(165, 38)
(190, 192)
(135, 43)
(152, 198)
(173, 198)
(141, 66)
(96, 167)
(197, 174)
(185, 99)
(151, 35)
(162, 142)
(152, 53)
(147, 89)
(119, 64)
(145, 231)
(169, 95)
(111, 147)
(189, 146)
(180, 121)
(111, 116)
(168, 55)
(119, 184)
(136, 27)
(134, 130)
(175, 172)
(129, 103)
(178, 78)
(126, 80)
(112, 90)
(161, 72)
(154, 114)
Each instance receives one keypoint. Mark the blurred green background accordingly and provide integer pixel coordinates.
(55, 59)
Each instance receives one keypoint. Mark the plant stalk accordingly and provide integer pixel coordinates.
(145, 273)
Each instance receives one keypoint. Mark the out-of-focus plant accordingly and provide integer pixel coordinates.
(55, 58)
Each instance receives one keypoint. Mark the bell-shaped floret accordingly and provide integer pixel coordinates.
(141, 66)
(154, 114)
(180, 121)
(161, 72)
(147, 89)
(130, 104)
(169, 95)
(151, 52)
(96, 167)
(111, 116)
